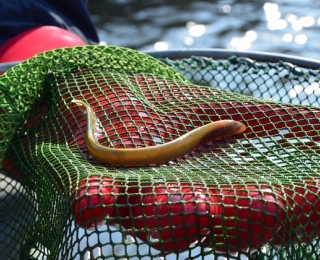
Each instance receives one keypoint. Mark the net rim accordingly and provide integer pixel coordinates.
(217, 53)
(260, 56)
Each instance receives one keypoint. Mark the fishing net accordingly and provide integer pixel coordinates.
(245, 195)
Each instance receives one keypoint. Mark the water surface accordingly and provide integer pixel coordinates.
(288, 27)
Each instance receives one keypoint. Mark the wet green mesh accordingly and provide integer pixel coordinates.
(250, 195)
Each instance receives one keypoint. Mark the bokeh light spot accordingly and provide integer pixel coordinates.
(197, 30)
(251, 35)
(161, 46)
(288, 37)
(226, 9)
(277, 24)
(301, 39)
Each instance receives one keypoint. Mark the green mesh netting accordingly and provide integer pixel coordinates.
(252, 195)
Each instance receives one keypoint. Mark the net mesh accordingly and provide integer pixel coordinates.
(252, 195)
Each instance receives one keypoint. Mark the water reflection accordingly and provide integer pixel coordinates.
(306, 21)
(196, 30)
(278, 26)
(272, 12)
(287, 37)
(226, 9)
(251, 35)
(161, 46)
(244, 43)
(301, 39)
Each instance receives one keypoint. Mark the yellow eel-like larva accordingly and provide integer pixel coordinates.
(159, 153)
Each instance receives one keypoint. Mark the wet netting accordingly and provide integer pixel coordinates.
(97, 162)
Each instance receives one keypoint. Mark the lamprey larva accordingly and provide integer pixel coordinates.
(159, 153)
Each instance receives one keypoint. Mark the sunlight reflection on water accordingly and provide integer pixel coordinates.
(289, 28)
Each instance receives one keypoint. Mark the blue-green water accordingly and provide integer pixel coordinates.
(288, 27)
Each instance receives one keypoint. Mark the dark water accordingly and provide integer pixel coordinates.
(288, 27)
